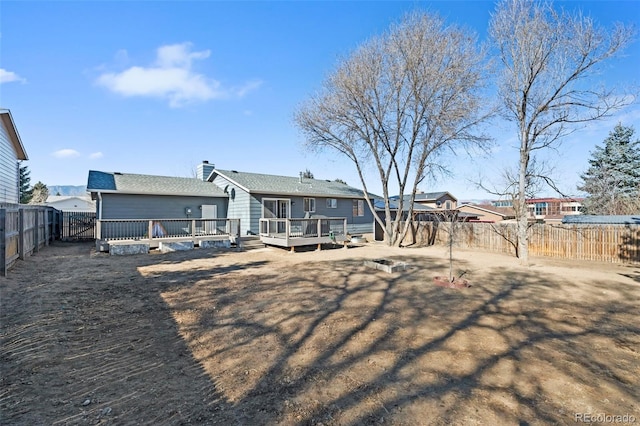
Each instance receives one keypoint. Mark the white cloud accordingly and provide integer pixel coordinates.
(96, 155)
(66, 153)
(171, 77)
(9, 76)
(248, 87)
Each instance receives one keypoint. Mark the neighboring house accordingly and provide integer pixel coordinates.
(553, 209)
(436, 200)
(11, 153)
(547, 209)
(74, 203)
(420, 213)
(487, 212)
(253, 196)
(133, 196)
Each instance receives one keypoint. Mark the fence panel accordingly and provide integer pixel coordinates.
(603, 243)
(23, 231)
(9, 243)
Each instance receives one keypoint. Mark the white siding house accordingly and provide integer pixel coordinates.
(11, 152)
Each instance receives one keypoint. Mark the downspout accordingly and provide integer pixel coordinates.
(100, 206)
(99, 223)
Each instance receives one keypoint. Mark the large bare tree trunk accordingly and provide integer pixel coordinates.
(396, 103)
(546, 57)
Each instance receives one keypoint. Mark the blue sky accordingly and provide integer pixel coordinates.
(155, 87)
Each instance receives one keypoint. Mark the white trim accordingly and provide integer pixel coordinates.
(288, 200)
(227, 178)
(304, 207)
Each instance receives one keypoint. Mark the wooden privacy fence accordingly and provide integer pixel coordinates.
(24, 230)
(604, 243)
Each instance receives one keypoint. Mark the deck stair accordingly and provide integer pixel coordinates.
(251, 243)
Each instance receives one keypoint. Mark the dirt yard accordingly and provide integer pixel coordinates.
(268, 337)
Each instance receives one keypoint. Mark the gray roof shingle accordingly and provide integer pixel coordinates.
(287, 185)
(130, 183)
(602, 220)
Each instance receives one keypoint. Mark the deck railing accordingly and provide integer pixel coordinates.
(158, 229)
(303, 228)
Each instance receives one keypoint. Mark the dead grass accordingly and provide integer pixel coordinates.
(269, 337)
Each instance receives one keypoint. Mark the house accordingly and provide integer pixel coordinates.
(553, 209)
(286, 211)
(73, 203)
(547, 209)
(135, 196)
(487, 212)
(437, 200)
(255, 196)
(11, 153)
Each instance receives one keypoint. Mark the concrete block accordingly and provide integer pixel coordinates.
(385, 265)
(168, 247)
(127, 249)
(215, 244)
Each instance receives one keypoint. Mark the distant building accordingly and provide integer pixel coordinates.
(553, 208)
(547, 209)
(487, 213)
(71, 203)
(442, 200)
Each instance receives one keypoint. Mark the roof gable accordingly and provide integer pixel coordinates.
(286, 185)
(129, 183)
(501, 211)
(425, 196)
(14, 136)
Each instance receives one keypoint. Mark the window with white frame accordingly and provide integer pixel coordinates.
(358, 208)
(332, 203)
(309, 205)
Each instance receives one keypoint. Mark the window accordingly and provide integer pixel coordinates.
(447, 205)
(332, 203)
(541, 209)
(309, 205)
(358, 208)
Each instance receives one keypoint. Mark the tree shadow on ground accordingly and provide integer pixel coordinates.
(224, 338)
(341, 344)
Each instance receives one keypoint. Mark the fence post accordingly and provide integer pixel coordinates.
(3, 241)
(36, 231)
(21, 235)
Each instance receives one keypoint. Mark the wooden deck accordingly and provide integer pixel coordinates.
(303, 232)
(155, 231)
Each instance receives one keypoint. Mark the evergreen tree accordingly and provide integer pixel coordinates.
(25, 180)
(612, 180)
(40, 193)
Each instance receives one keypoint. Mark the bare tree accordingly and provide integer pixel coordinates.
(546, 57)
(397, 103)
